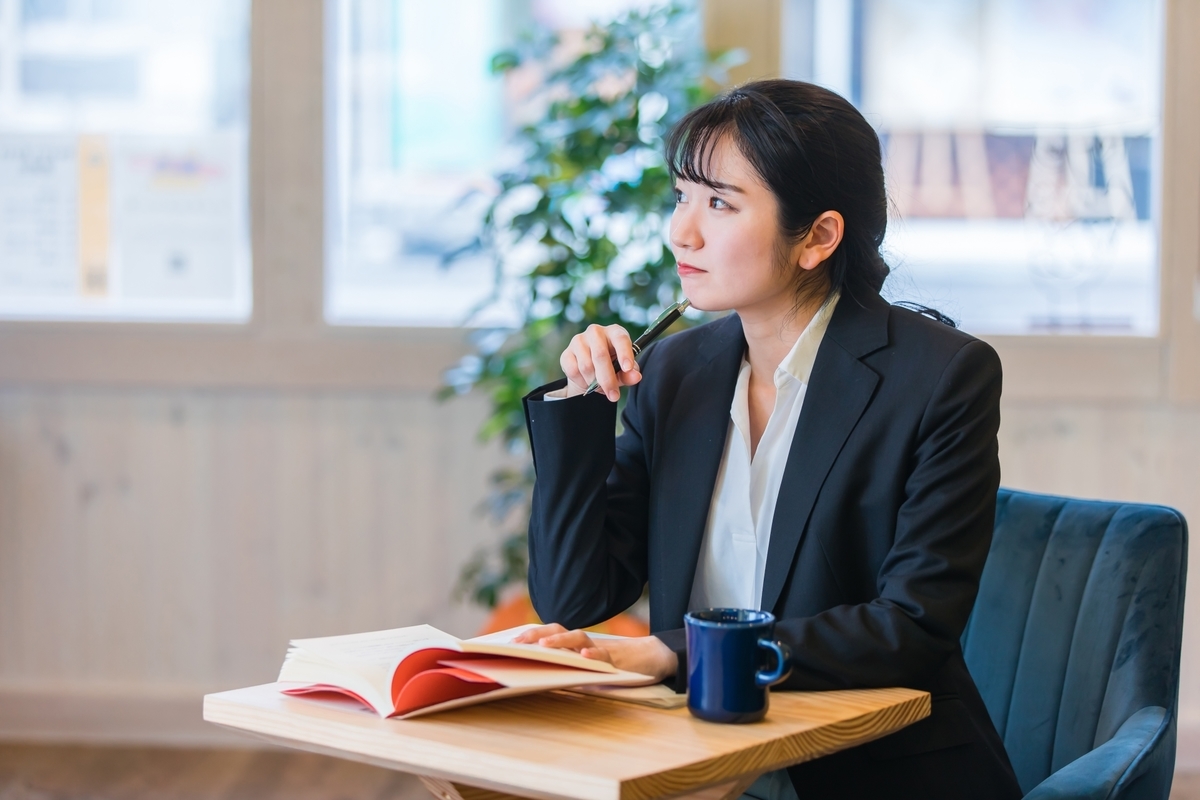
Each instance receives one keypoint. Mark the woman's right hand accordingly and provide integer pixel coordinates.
(589, 357)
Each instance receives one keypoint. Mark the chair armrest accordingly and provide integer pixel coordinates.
(1095, 775)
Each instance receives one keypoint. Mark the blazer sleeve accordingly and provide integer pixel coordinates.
(929, 579)
(588, 522)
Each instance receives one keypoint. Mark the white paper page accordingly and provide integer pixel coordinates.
(504, 636)
(377, 648)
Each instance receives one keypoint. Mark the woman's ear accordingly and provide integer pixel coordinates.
(823, 238)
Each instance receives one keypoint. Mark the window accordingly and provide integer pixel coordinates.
(1020, 141)
(123, 129)
(416, 125)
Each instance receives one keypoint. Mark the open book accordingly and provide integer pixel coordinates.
(407, 672)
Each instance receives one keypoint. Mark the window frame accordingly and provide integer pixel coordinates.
(286, 344)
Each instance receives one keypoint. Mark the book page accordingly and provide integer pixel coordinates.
(503, 637)
(575, 678)
(444, 684)
(507, 635)
(374, 665)
(527, 675)
(377, 648)
(301, 676)
(501, 643)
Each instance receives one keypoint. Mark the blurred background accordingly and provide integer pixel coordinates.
(253, 258)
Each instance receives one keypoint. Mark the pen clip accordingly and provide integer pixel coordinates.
(664, 321)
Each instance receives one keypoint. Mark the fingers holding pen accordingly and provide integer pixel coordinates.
(601, 345)
(622, 347)
(578, 364)
(590, 355)
(613, 362)
(569, 361)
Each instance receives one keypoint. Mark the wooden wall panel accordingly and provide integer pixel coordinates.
(165, 538)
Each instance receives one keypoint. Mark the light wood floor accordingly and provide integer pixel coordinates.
(36, 772)
(40, 772)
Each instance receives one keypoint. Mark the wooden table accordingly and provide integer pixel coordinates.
(561, 745)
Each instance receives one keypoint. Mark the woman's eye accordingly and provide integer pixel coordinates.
(680, 197)
(718, 203)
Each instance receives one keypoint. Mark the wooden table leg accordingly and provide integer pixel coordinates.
(730, 790)
(448, 790)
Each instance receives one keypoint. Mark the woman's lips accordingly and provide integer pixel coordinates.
(687, 269)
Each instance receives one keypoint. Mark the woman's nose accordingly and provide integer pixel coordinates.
(684, 232)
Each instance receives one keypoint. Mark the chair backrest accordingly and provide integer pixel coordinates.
(1077, 625)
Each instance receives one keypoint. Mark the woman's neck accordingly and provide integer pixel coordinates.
(772, 332)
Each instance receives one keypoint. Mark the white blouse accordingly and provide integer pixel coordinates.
(733, 558)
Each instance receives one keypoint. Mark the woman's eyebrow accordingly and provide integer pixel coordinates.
(726, 187)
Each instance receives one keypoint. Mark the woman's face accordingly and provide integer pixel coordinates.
(726, 240)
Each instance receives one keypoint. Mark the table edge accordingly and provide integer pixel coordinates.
(331, 737)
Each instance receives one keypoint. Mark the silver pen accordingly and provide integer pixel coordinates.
(664, 321)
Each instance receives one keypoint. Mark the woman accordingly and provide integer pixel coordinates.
(817, 453)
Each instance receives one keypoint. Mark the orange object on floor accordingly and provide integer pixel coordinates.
(518, 610)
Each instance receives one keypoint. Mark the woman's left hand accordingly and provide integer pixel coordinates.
(646, 655)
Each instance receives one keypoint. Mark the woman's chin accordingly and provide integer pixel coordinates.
(708, 305)
(703, 296)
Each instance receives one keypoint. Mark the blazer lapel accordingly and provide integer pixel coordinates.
(686, 472)
(839, 390)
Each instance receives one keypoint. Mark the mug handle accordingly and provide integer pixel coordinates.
(782, 655)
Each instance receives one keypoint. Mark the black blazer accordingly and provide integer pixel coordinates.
(881, 528)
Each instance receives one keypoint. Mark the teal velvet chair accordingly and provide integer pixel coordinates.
(1074, 643)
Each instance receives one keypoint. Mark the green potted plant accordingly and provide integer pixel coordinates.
(577, 231)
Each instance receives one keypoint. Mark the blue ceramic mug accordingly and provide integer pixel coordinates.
(727, 648)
